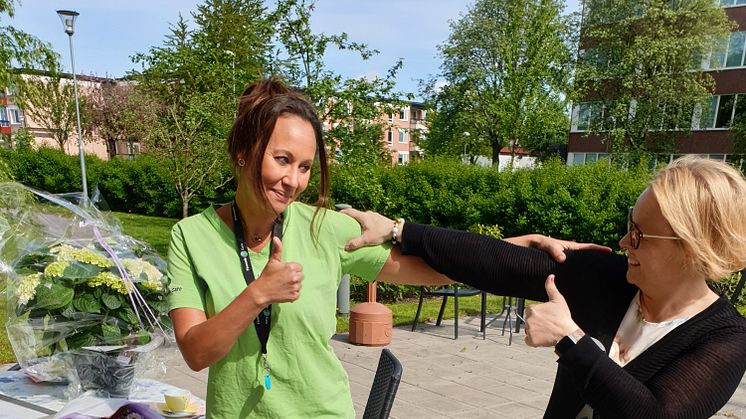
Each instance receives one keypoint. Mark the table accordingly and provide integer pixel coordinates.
(22, 398)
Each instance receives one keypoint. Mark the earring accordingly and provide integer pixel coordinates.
(241, 162)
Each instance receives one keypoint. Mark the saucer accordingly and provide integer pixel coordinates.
(190, 411)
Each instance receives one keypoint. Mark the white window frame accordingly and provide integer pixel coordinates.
(402, 136)
(404, 114)
(390, 137)
(402, 157)
(16, 117)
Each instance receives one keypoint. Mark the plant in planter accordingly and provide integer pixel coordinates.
(82, 296)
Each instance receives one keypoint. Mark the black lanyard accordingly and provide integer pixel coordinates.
(263, 321)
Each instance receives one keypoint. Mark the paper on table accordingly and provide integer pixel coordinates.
(13, 411)
(92, 406)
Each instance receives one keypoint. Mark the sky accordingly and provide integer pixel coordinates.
(109, 32)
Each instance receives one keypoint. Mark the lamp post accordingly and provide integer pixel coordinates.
(233, 69)
(466, 143)
(68, 22)
(233, 74)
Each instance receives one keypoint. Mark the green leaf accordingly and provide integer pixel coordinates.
(160, 306)
(52, 295)
(111, 301)
(78, 273)
(87, 303)
(110, 332)
(81, 339)
(62, 345)
(69, 311)
(127, 315)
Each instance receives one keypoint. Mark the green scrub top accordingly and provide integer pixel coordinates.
(307, 378)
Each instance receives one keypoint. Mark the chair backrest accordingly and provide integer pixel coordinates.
(384, 388)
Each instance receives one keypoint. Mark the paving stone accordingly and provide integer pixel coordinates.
(446, 378)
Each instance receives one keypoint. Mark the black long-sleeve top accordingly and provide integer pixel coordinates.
(690, 373)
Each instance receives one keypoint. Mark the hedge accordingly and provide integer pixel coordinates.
(583, 203)
(140, 186)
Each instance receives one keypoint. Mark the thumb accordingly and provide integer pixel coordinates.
(552, 291)
(558, 253)
(276, 249)
(352, 212)
(354, 244)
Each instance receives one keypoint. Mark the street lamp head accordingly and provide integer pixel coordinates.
(68, 20)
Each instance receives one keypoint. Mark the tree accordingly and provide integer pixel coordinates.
(506, 65)
(190, 82)
(352, 108)
(19, 49)
(738, 134)
(50, 101)
(120, 113)
(639, 75)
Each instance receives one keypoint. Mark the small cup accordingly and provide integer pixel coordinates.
(177, 400)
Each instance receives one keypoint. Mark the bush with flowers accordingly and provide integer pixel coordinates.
(76, 285)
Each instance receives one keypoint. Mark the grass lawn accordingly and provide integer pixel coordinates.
(403, 312)
(156, 231)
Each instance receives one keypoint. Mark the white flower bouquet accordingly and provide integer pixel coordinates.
(78, 291)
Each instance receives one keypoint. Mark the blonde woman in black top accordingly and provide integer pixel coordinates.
(640, 336)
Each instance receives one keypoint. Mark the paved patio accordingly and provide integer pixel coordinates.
(445, 378)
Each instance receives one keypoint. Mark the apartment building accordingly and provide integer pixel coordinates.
(403, 127)
(13, 118)
(710, 135)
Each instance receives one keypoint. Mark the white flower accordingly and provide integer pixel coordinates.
(27, 287)
(136, 267)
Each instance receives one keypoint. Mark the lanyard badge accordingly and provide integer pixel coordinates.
(263, 321)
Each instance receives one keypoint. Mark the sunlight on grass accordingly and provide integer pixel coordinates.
(156, 231)
(404, 312)
(6, 352)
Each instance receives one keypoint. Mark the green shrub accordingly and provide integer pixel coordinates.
(140, 186)
(584, 203)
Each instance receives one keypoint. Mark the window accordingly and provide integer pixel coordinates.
(403, 114)
(735, 49)
(391, 116)
(390, 137)
(15, 116)
(578, 159)
(704, 118)
(133, 149)
(4, 117)
(402, 157)
(402, 136)
(588, 116)
(725, 111)
(718, 53)
(728, 52)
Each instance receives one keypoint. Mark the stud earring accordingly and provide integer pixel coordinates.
(241, 162)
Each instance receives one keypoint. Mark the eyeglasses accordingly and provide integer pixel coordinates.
(636, 235)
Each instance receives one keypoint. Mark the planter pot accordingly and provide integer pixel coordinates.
(107, 373)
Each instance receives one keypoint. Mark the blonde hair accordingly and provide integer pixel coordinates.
(704, 201)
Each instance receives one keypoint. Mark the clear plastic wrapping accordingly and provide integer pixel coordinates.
(85, 303)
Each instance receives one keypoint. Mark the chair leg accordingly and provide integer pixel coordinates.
(507, 313)
(417, 315)
(455, 312)
(442, 310)
(483, 316)
(520, 306)
(509, 320)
